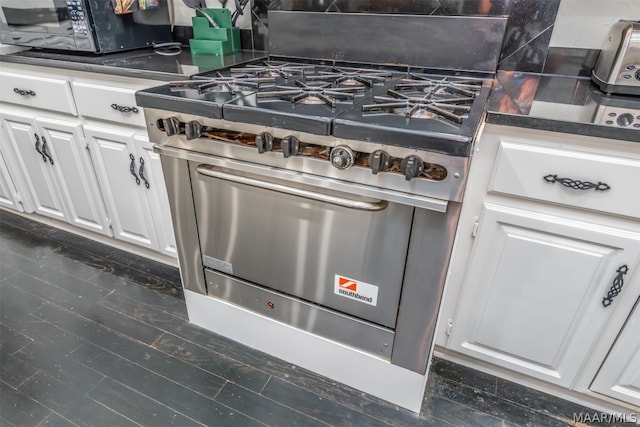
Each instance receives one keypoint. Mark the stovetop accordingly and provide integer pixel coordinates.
(436, 111)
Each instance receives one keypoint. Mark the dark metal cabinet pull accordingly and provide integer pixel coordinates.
(44, 151)
(577, 184)
(616, 287)
(132, 168)
(24, 92)
(124, 109)
(44, 158)
(141, 173)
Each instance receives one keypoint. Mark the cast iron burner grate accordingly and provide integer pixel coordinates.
(351, 76)
(321, 93)
(273, 70)
(429, 97)
(220, 83)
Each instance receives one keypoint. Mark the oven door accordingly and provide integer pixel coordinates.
(337, 250)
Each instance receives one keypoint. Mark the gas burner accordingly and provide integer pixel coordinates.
(221, 83)
(429, 106)
(322, 93)
(431, 97)
(272, 69)
(440, 85)
(351, 76)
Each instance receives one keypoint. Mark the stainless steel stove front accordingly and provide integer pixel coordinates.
(359, 264)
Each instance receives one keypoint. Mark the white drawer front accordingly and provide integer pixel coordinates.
(108, 103)
(521, 170)
(37, 92)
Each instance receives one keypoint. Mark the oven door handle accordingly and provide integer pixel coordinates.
(371, 205)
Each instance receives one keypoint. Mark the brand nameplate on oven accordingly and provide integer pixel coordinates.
(355, 290)
(217, 264)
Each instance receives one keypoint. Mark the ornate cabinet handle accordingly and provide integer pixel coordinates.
(616, 287)
(132, 168)
(44, 158)
(44, 151)
(577, 184)
(141, 173)
(24, 92)
(124, 109)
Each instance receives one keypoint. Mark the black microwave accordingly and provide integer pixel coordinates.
(81, 25)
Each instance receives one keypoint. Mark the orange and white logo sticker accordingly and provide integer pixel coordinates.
(355, 290)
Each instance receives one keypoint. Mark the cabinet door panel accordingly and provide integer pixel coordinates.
(39, 175)
(8, 193)
(157, 196)
(619, 376)
(534, 289)
(74, 173)
(126, 202)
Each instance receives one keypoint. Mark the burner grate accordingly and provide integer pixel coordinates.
(220, 83)
(429, 97)
(351, 76)
(321, 93)
(272, 69)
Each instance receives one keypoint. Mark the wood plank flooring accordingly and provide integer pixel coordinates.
(93, 336)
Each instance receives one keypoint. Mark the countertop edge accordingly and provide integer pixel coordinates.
(559, 126)
(91, 68)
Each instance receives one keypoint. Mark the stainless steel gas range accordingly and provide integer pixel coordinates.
(315, 201)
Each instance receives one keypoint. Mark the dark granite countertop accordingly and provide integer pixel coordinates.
(141, 63)
(565, 100)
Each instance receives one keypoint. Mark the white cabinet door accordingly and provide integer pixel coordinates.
(117, 166)
(157, 196)
(619, 376)
(532, 299)
(74, 173)
(25, 144)
(8, 193)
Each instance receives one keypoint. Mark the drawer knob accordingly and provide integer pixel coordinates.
(616, 287)
(576, 184)
(124, 109)
(24, 92)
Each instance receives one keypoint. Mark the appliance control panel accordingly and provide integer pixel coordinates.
(340, 157)
(619, 117)
(79, 17)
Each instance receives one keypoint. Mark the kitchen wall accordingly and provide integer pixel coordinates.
(533, 26)
(585, 23)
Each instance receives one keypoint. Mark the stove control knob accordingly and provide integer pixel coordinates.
(192, 130)
(342, 157)
(264, 142)
(411, 166)
(171, 126)
(379, 161)
(290, 146)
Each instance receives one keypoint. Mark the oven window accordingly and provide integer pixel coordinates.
(23, 13)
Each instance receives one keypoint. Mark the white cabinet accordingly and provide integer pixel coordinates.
(9, 196)
(533, 300)
(550, 225)
(59, 173)
(131, 181)
(619, 376)
(69, 140)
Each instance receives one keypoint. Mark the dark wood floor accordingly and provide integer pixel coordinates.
(93, 336)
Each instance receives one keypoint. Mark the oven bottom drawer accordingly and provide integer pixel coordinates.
(340, 251)
(314, 319)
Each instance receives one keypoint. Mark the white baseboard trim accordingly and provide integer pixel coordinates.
(109, 241)
(589, 399)
(349, 366)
